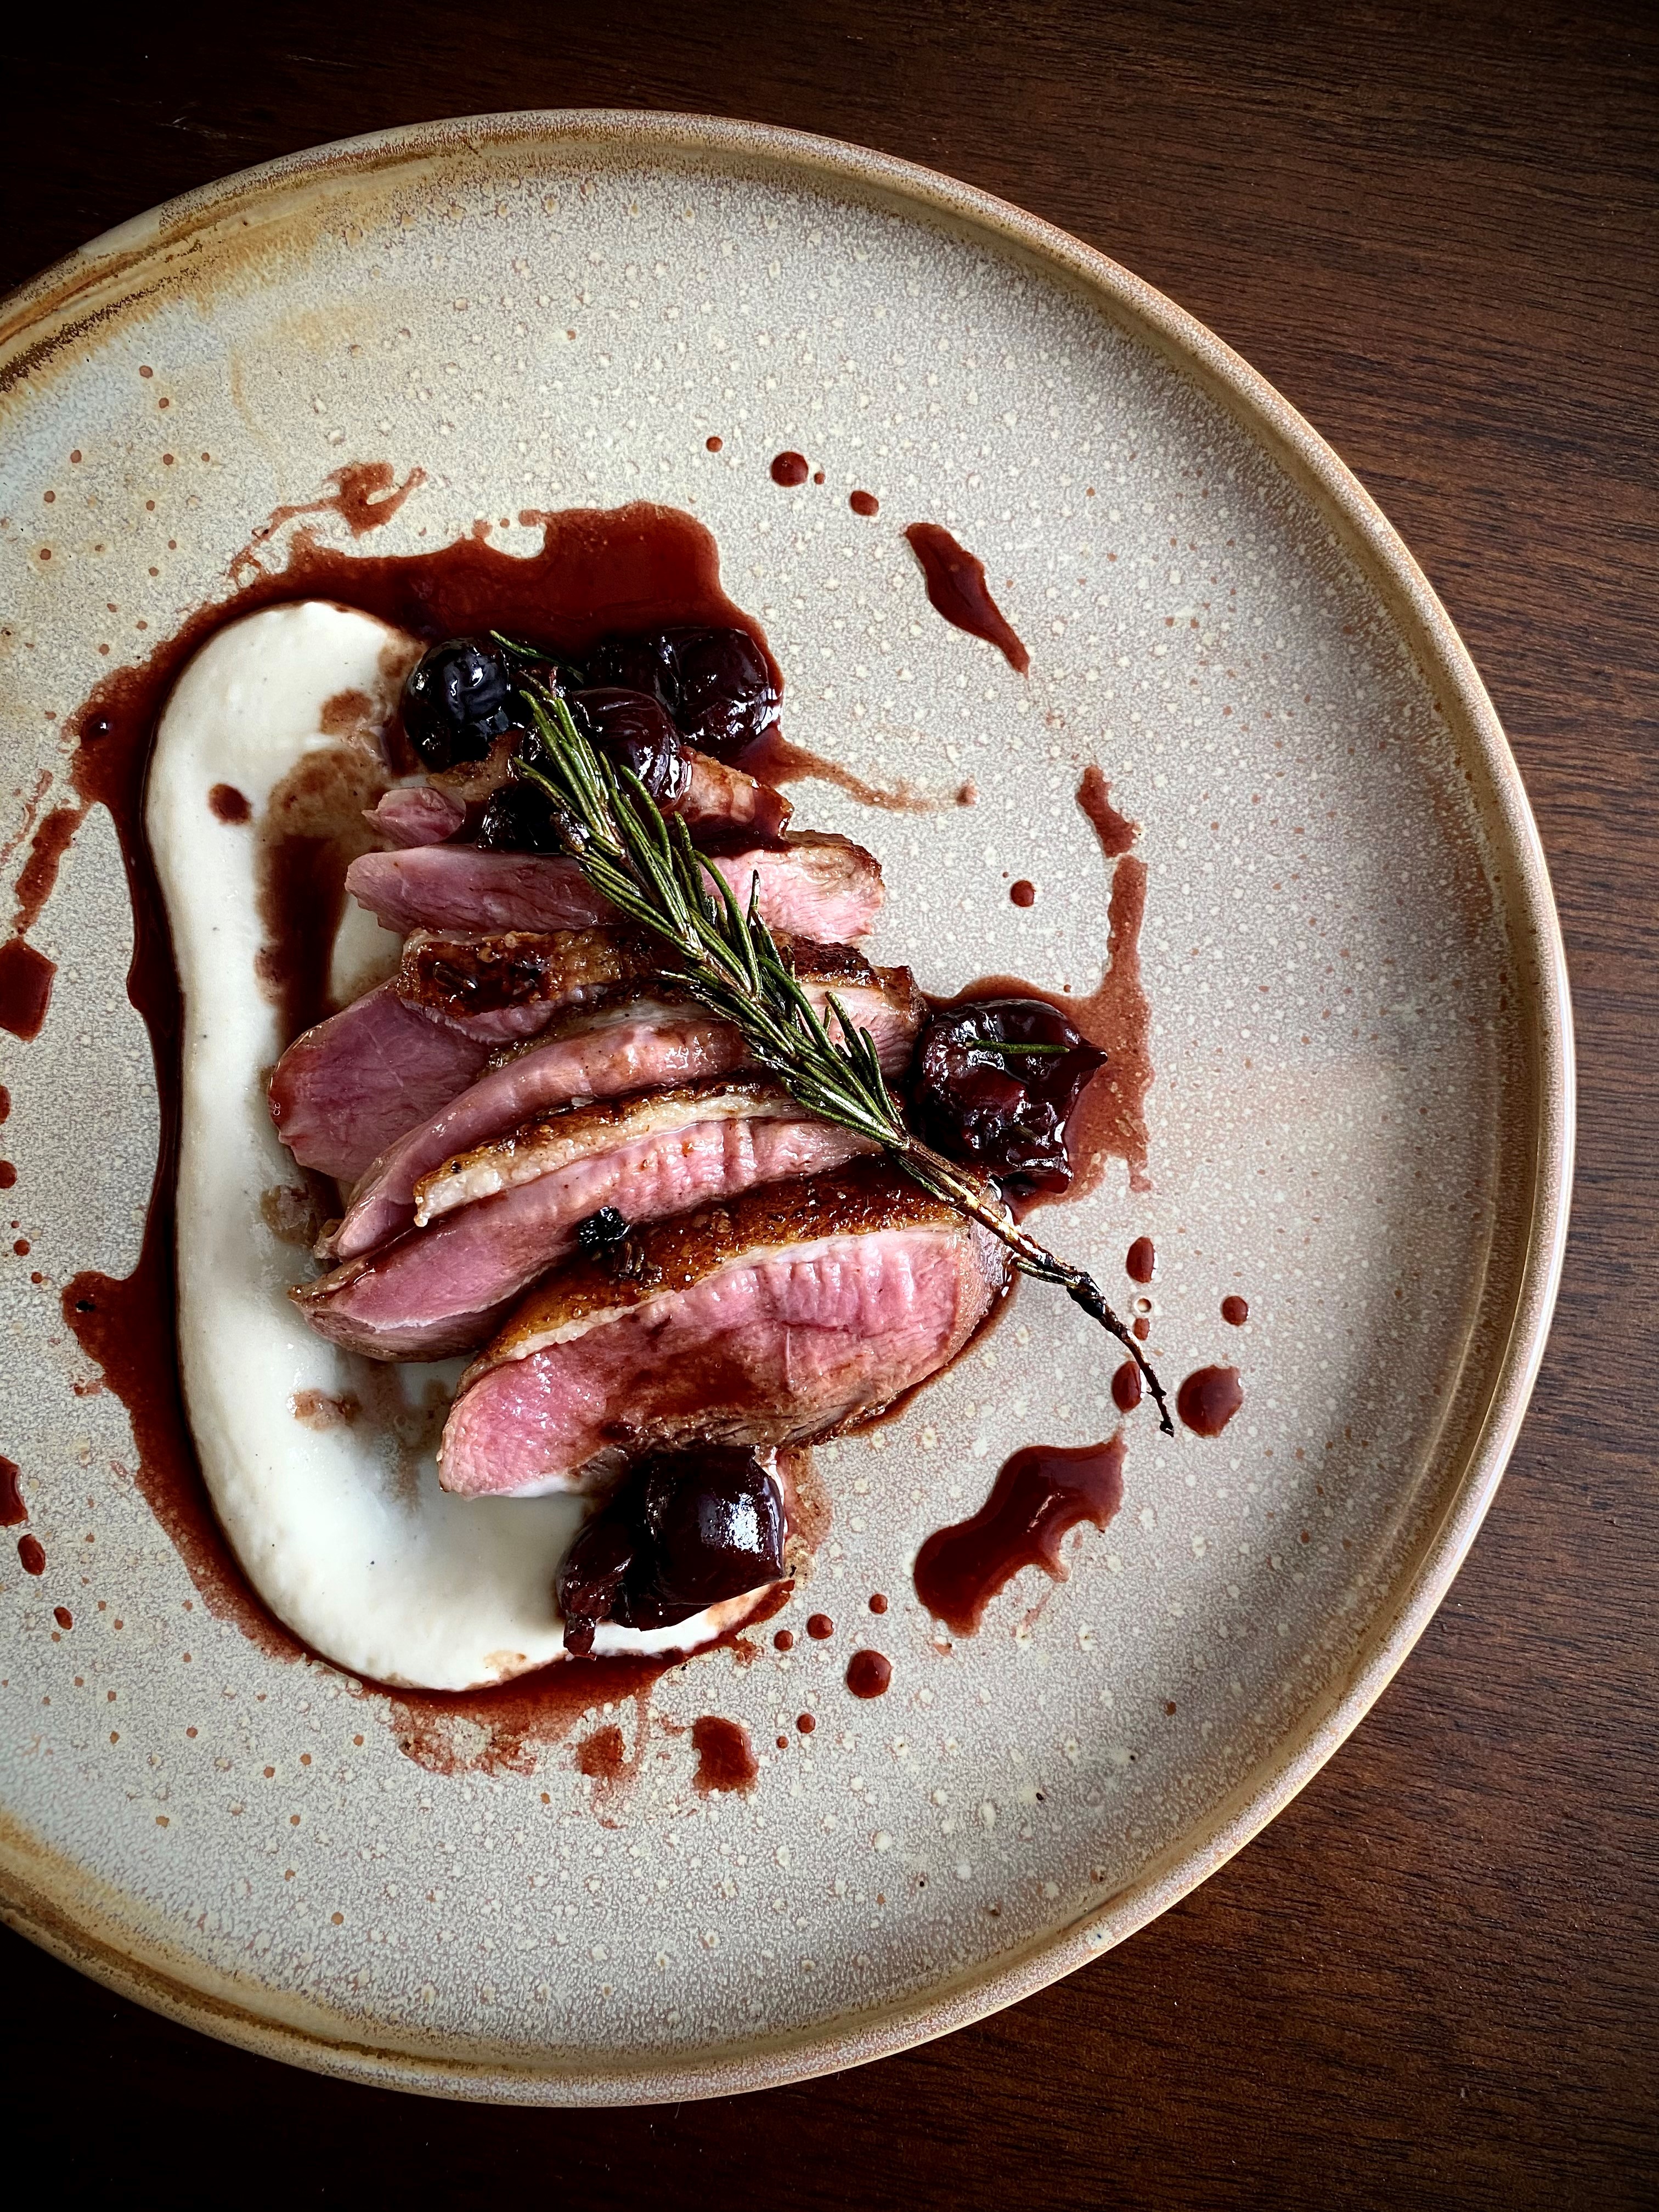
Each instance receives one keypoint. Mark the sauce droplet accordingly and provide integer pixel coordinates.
(1140, 1262)
(8, 1175)
(878, 1602)
(12, 1508)
(805, 1724)
(868, 1674)
(228, 803)
(63, 1616)
(784, 1640)
(1236, 1311)
(1208, 1399)
(32, 1553)
(1142, 1327)
(1039, 1496)
(725, 1760)
(820, 1626)
(957, 590)
(1023, 893)
(864, 503)
(1126, 1387)
(713, 444)
(26, 978)
(789, 470)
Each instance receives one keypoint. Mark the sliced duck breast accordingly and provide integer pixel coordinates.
(638, 1039)
(501, 1216)
(791, 1311)
(824, 887)
(416, 814)
(345, 1089)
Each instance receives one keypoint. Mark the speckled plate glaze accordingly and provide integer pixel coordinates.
(1361, 1118)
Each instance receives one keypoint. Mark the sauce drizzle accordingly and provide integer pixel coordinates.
(1039, 1496)
(957, 590)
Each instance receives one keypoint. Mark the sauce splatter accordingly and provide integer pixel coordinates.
(32, 1554)
(868, 1674)
(229, 804)
(1127, 1386)
(784, 1640)
(1039, 1496)
(1235, 1310)
(877, 1602)
(1140, 1262)
(1023, 892)
(601, 1755)
(725, 1760)
(63, 1616)
(820, 1626)
(957, 590)
(1208, 1399)
(789, 470)
(864, 503)
(12, 1508)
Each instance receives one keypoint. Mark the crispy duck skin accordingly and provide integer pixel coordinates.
(785, 1314)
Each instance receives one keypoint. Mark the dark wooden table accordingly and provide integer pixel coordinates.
(1436, 1980)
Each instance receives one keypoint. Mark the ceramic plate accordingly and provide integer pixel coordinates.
(1359, 1117)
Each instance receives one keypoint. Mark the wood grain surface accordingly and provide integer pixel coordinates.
(1435, 1980)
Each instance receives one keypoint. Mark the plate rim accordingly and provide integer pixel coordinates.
(51, 1901)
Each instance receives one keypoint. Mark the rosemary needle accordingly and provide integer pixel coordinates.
(645, 864)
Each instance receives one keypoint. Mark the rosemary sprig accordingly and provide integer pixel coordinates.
(645, 864)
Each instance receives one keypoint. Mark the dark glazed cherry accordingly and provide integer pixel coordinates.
(636, 729)
(715, 683)
(457, 700)
(981, 1098)
(684, 1531)
(520, 818)
(726, 696)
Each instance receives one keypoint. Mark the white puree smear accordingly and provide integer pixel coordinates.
(344, 1534)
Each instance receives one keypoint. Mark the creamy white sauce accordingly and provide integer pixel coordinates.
(346, 1536)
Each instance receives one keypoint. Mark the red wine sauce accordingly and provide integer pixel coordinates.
(1023, 892)
(12, 1508)
(1140, 1262)
(1040, 1495)
(1234, 1311)
(32, 1555)
(864, 503)
(790, 470)
(725, 1760)
(774, 760)
(1208, 1399)
(1127, 1386)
